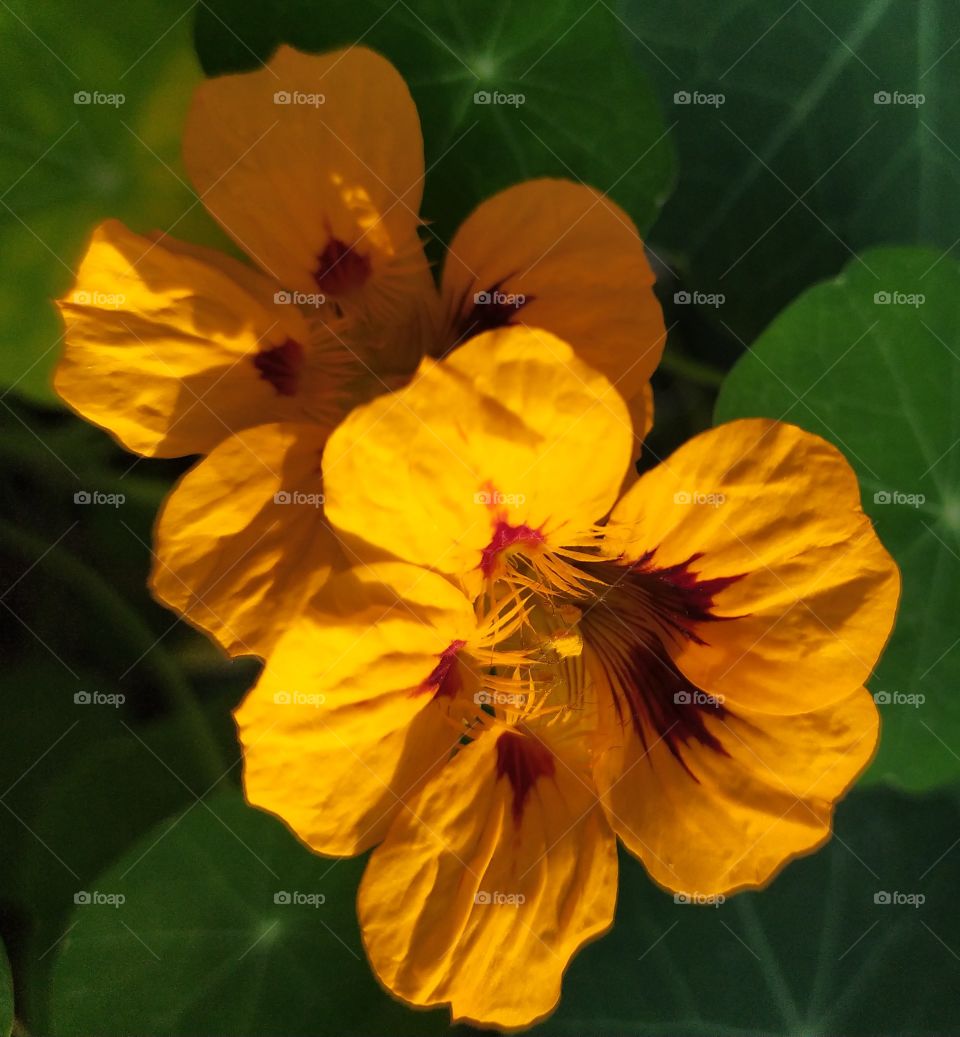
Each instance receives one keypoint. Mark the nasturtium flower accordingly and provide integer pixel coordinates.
(394, 713)
(731, 604)
(550, 663)
(314, 166)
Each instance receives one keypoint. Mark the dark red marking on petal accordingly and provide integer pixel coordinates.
(506, 536)
(445, 679)
(340, 268)
(628, 629)
(522, 759)
(490, 309)
(281, 366)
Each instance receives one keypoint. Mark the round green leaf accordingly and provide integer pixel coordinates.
(506, 90)
(91, 123)
(222, 930)
(802, 138)
(871, 362)
(840, 943)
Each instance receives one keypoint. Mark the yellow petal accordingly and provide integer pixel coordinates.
(780, 509)
(342, 723)
(469, 902)
(503, 431)
(162, 346)
(577, 269)
(242, 542)
(714, 820)
(314, 165)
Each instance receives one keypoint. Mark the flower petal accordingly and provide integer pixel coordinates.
(466, 904)
(579, 266)
(715, 820)
(779, 508)
(314, 165)
(503, 431)
(242, 542)
(339, 727)
(162, 345)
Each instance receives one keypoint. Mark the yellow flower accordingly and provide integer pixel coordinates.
(314, 166)
(730, 605)
(550, 667)
(393, 713)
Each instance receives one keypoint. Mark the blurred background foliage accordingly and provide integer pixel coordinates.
(795, 178)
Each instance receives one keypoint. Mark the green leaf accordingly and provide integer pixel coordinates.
(65, 165)
(6, 994)
(200, 944)
(811, 956)
(799, 168)
(880, 380)
(569, 64)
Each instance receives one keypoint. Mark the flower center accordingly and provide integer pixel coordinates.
(505, 538)
(341, 269)
(629, 623)
(522, 759)
(490, 309)
(445, 680)
(281, 366)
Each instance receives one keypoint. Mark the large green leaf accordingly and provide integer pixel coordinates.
(67, 165)
(199, 946)
(799, 168)
(814, 955)
(871, 361)
(588, 112)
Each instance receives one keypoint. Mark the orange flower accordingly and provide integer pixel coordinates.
(682, 668)
(393, 713)
(314, 167)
